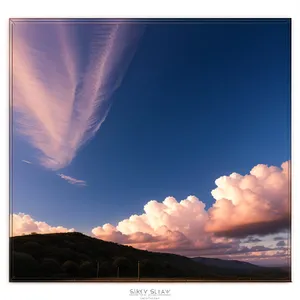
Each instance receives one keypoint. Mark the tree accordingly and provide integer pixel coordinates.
(23, 265)
(105, 269)
(32, 248)
(62, 254)
(166, 265)
(147, 267)
(50, 267)
(122, 264)
(83, 257)
(70, 267)
(87, 269)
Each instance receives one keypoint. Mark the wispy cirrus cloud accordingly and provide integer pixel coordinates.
(72, 180)
(26, 161)
(63, 77)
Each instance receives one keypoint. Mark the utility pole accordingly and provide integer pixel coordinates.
(138, 270)
(97, 268)
(118, 272)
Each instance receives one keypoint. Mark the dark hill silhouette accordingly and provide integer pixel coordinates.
(226, 264)
(74, 255)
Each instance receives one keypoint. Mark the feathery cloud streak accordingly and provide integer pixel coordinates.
(26, 161)
(72, 180)
(63, 77)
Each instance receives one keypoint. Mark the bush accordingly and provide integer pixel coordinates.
(149, 268)
(123, 264)
(50, 266)
(105, 269)
(33, 248)
(83, 257)
(70, 267)
(23, 265)
(62, 254)
(87, 269)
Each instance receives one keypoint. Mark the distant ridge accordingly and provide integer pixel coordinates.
(229, 264)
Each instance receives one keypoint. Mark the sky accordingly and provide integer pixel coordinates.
(115, 124)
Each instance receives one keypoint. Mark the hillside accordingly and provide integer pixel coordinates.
(227, 264)
(74, 255)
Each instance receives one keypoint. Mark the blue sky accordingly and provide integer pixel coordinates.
(198, 101)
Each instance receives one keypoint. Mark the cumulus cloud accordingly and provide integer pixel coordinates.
(162, 226)
(244, 208)
(258, 203)
(60, 96)
(254, 204)
(25, 224)
(72, 180)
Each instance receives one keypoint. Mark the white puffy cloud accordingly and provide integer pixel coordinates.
(257, 203)
(246, 208)
(163, 225)
(25, 224)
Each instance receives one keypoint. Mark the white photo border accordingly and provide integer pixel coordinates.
(144, 9)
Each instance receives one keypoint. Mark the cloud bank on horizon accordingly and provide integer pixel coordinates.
(254, 204)
(246, 207)
(25, 224)
(62, 85)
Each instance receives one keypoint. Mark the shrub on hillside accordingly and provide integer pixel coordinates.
(23, 265)
(33, 248)
(123, 264)
(87, 269)
(83, 257)
(50, 267)
(70, 267)
(105, 269)
(62, 254)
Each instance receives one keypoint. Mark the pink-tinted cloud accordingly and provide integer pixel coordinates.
(258, 203)
(25, 224)
(245, 205)
(269, 257)
(72, 180)
(163, 225)
(60, 102)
